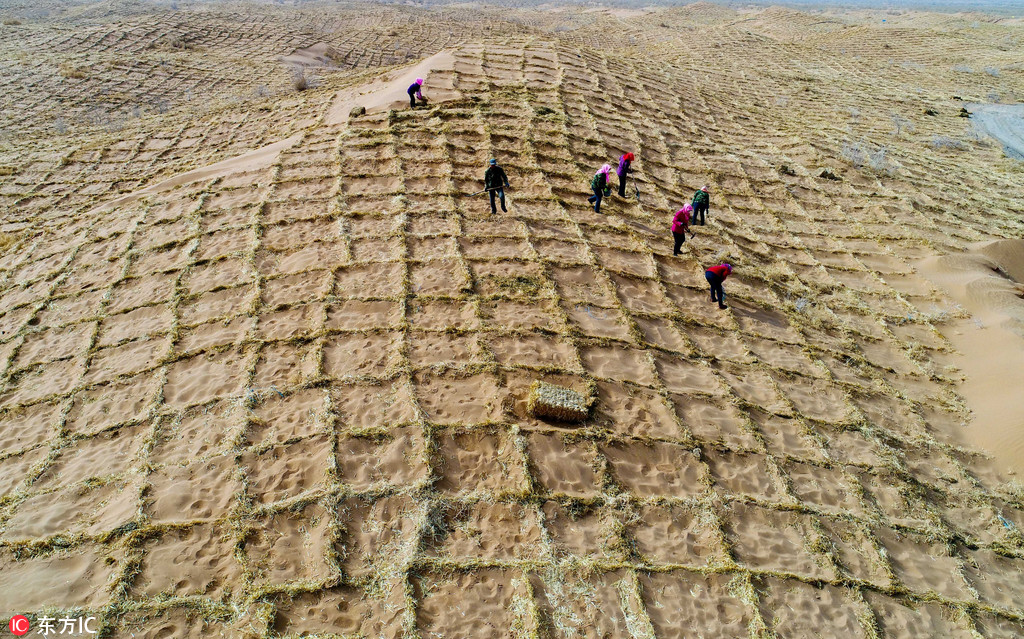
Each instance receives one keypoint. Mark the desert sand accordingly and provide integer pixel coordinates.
(264, 365)
(988, 281)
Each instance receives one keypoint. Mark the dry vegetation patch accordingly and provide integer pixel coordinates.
(293, 396)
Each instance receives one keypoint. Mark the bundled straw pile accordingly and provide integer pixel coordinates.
(557, 402)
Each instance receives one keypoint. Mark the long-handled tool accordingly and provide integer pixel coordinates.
(486, 190)
(636, 189)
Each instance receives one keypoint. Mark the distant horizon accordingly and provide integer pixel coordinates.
(1013, 8)
(981, 6)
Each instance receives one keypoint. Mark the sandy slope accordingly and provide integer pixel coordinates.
(386, 92)
(389, 91)
(285, 395)
(320, 54)
(987, 281)
(252, 161)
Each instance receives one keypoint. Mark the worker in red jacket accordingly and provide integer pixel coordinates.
(715, 276)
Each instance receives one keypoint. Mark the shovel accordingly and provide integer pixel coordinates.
(486, 190)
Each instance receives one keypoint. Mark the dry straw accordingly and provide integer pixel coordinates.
(810, 308)
(557, 402)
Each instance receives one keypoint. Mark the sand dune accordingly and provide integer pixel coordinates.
(389, 91)
(264, 367)
(988, 282)
(320, 54)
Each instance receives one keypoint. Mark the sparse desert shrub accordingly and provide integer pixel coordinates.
(862, 155)
(962, 68)
(68, 70)
(299, 80)
(945, 142)
(11, 22)
(901, 124)
(337, 57)
(854, 153)
(170, 42)
(262, 91)
(60, 126)
(992, 71)
(879, 160)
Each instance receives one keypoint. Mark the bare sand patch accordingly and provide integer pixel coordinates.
(988, 281)
(319, 54)
(388, 91)
(288, 395)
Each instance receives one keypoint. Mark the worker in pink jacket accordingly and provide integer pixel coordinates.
(415, 92)
(598, 184)
(715, 276)
(680, 225)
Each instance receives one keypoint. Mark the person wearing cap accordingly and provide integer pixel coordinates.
(701, 202)
(680, 225)
(415, 92)
(598, 184)
(495, 181)
(624, 169)
(715, 276)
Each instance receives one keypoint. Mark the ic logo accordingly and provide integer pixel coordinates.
(19, 625)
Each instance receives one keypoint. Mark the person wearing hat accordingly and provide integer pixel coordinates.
(495, 181)
(680, 225)
(623, 169)
(715, 276)
(598, 184)
(701, 201)
(415, 92)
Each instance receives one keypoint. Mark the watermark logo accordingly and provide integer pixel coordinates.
(19, 625)
(45, 626)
